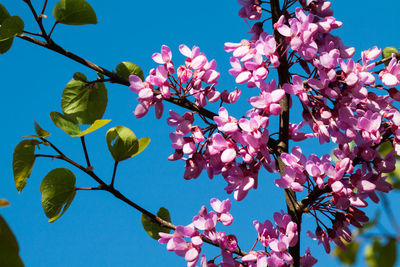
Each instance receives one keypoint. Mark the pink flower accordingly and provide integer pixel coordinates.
(251, 9)
(296, 89)
(165, 58)
(390, 75)
(222, 209)
(307, 260)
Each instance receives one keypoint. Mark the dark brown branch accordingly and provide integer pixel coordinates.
(182, 102)
(113, 175)
(292, 204)
(119, 195)
(37, 18)
(85, 151)
(387, 59)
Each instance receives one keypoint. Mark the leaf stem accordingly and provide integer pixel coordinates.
(52, 28)
(85, 151)
(113, 175)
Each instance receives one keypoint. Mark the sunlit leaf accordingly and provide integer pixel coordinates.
(23, 160)
(11, 27)
(74, 12)
(143, 143)
(96, 125)
(125, 69)
(122, 143)
(378, 255)
(387, 52)
(152, 228)
(65, 123)
(40, 132)
(58, 191)
(349, 256)
(85, 102)
(9, 249)
(4, 203)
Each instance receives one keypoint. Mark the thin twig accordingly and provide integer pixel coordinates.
(37, 18)
(119, 195)
(114, 172)
(85, 151)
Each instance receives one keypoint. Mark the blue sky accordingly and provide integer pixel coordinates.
(99, 230)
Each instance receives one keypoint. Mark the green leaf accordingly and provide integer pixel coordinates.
(143, 143)
(58, 191)
(385, 148)
(122, 143)
(9, 249)
(96, 125)
(125, 69)
(153, 228)
(40, 132)
(387, 52)
(349, 256)
(3, 13)
(378, 255)
(80, 77)
(11, 27)
(65, 123)
(394, 177)
(6, 45)
(74, 12)
(85, 102)
(4, 203)
(23, 160)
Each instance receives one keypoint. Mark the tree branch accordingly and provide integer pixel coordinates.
(115, 78)
(292, 204)
(110, 188)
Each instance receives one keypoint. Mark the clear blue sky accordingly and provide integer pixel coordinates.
(99, 230)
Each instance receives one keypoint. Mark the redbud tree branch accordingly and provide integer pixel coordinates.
(293, 207)
(111, 189)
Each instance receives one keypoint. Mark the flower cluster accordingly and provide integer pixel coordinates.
(276, 240)
(341, 103)
(196, 78)
(206, 222)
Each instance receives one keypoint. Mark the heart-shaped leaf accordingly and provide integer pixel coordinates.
(11, 27)
(85, 102)
(125, 69)
(152, 228)
(58, 191)
(122, 143)
(65, 123)
(23, 160)
(96, 125)
(74, 12)
(9, 249)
